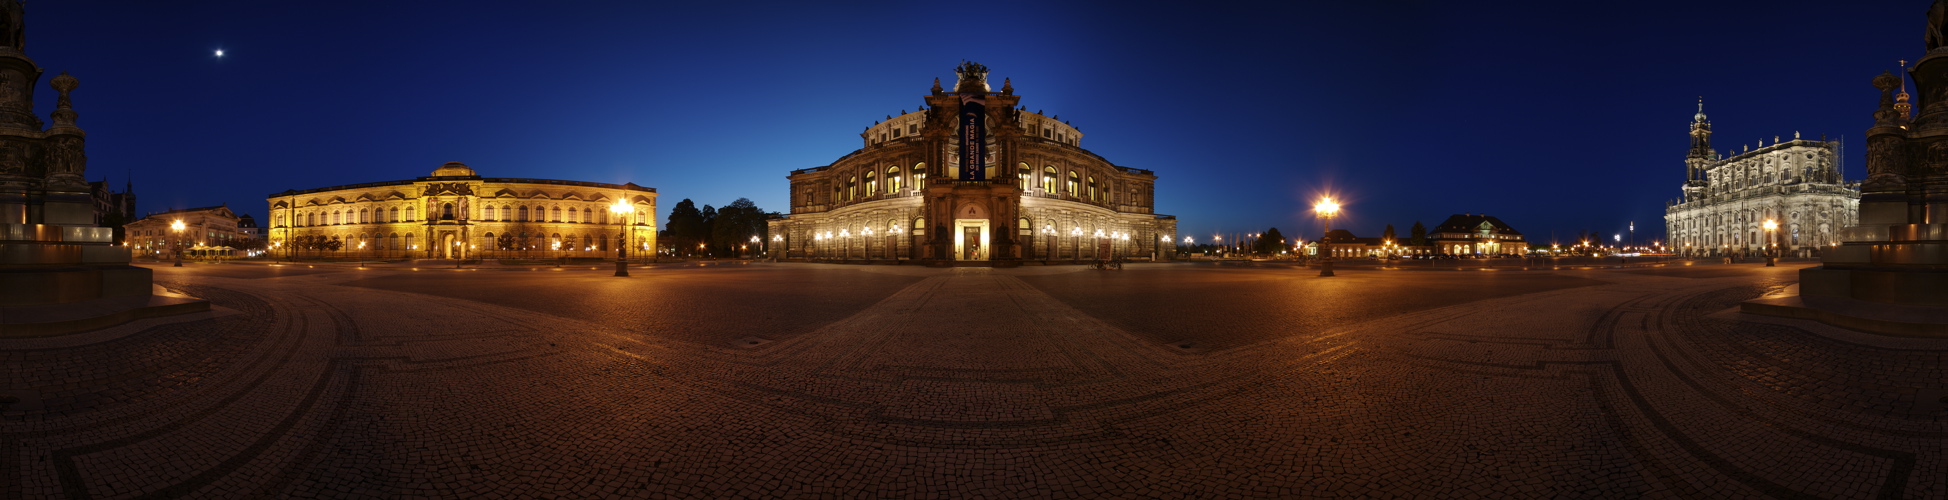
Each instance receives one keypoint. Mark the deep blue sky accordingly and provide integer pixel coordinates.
(1554, 116)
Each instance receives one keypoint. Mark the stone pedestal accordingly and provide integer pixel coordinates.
(1889, 274)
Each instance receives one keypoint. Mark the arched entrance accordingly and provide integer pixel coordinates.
(971, 232)
(452, 250)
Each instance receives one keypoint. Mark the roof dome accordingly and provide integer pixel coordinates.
(454, 169)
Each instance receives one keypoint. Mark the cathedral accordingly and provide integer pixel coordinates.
(973, 178)
(1796, 183)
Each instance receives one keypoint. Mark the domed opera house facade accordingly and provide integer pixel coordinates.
(973, 178)
(457, 214)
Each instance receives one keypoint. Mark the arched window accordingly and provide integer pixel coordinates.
(409, 236)
(1022, 175)
(410, 217)
(872, 188)
(852, 188)
(585, 215)
(893, 180)
(919, 176)
(603, 216)
(395, 214)
(919, 225)
(310, 219)
(1073, 180)
(1048, 179)
(571, 215)
(524, 213)
(446, 211)
(364, 216)
(1092, 188)
(490, 240)
(557, 217)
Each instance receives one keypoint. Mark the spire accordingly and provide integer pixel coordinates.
(1700, 133)
(1901, 106)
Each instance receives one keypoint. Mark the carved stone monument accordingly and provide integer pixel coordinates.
(59, 272)
(1889, 274)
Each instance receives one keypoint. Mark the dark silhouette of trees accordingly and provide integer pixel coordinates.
(1269, 242)
(1418, 235)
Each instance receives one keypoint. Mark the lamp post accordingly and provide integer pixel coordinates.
(1326, 209)
(1772, 243)
(178, 228)
(622, 237)
(754, 245)
(361, 254)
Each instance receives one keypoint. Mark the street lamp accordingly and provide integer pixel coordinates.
(178, 228)
(622, 237)
(1772, 240)
(754, 245)
(1326, 209)
(361, 254)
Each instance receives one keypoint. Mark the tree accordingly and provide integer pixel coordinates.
(1387, 235)
(1269, 242)
(686, 226)
(737, 223)
(1419, 235)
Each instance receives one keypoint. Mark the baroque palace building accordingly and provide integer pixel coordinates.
(455, 213)
(1726, 201)
(973, 177)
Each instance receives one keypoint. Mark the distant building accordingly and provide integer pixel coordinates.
(973, 177)
(1726, 201)
(113, 209)
(1476, 235)
(203, 228)
(248, 226)
(455, 213)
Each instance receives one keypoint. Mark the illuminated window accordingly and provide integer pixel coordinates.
(852, 188)
(557, 217)
(395, 214)
(919, 176)
(1073, 180)
(1092, 188)
(1024, 174)
(524, 213)
(1048, 180)
(893, 180)
(872, 188)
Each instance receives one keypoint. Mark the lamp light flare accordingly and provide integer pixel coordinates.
(219, 52)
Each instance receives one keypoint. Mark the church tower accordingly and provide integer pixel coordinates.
(1700, 158)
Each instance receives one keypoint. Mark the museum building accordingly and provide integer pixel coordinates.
(1797, 184)
(973, 177)
(205, 230)
(454, 213)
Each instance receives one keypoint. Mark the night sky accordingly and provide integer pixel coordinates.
(1554, 116)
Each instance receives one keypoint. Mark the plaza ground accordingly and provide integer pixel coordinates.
(1161, 380)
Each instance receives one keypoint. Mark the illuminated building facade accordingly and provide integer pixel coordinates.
(1726, 201)
(454, 213)
(973, 177)
(203, 228)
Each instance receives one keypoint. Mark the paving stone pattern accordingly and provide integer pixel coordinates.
(1060, 382)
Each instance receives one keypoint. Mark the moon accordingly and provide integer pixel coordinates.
(219, 52)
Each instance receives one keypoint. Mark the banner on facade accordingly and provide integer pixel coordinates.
(973, 137)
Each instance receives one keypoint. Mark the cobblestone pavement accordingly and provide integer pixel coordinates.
(779, 380)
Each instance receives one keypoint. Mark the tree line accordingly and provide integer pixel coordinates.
(715, 232)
